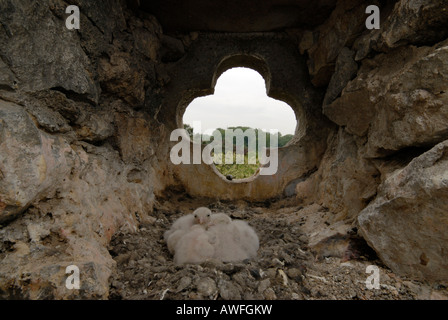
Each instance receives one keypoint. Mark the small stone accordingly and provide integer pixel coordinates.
(229, 291)
(264, 284)
(240, 279)
(295, 296)
(255, 273)
(283, 276)
(238, 214)
(294, 273)
(249, 296)
(412, 286)
(269, 294)
(315, 292)
(194, 296)
(435, 295)
(271, 272)
(184, 282)
(385, 277)
(352, 293)
(206, 286)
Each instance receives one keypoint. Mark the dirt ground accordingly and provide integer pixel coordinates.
(287, 266)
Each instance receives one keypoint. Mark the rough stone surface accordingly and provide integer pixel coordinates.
(242, 16)
(70, 177)
(406, 224)
(398, 100)
(345, 70)
(413, 22)
(145, 268)
(40, 53)
(85, 122)
(31, 162)
(345, 181)
(340, 30)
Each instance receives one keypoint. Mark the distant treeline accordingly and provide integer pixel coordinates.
(206, 139)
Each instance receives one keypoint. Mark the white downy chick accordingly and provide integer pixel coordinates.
(227, 249)
(219, 218)
(201, 235)
(194, 246)
(182, 225)
(246, 236)
(173, 238)
(202, 215)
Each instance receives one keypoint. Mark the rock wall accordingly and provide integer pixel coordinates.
(77, 151)
(387, 92)
(86, 115)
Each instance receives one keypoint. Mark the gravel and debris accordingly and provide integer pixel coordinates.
(285, 268)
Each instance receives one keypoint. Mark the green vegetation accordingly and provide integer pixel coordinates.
(251, 163)
(238, 171)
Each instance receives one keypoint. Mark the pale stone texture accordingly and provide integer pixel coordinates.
(85, 119)
(74, 166)
(31, 161)
(417, 22)
(40, 51)
(399, 100)
(345, 181)
(406, 224)
(340, 30)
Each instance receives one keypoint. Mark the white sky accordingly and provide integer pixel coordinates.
(240, 100)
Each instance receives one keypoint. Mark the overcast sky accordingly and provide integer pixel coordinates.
(240, 100)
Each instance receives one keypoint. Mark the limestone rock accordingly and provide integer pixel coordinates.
(339, 31)
(413, 22)
(119, 77)
(415, 108)
(133, 138)
(7, 78)
(229, 290)
(206, 287)
(399, 100)
(406, 224)
(345, 71)
(346, 181)
(147, 42)
(48, 119)
(97, 125)
(53, 57)
(31, 162)
(172, 49)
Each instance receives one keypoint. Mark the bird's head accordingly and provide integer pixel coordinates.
(202, 215)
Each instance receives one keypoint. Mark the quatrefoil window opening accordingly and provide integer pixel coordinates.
(240, 101)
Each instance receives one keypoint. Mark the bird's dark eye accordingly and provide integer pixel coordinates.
(208, 215)
(195, 216)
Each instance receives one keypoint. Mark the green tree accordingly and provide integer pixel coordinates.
(189, 130)
(241, 171)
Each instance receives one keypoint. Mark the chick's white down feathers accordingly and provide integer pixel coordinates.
(199, 236)
(200, 216)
